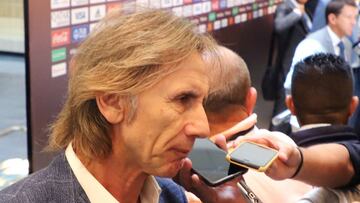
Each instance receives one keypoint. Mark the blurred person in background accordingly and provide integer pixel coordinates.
(341, 16)
(292, 23)
(318, 23)
(322, 100)
(228, 108)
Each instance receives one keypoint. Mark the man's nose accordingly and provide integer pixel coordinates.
(198, 125)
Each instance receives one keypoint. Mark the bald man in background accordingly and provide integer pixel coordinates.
(233, 100)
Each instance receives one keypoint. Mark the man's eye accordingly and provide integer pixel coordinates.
(185, 98)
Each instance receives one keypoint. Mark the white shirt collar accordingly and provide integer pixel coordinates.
(334, 39)
(96, 193)
(295, 3)
(150, 192)
(316, 125)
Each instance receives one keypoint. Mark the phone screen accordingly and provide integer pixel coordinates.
(253, 155)
(210, 163)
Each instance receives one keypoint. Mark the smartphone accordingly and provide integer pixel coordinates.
(253, 156)
(209, 162)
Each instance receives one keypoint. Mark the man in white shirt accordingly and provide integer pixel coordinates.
(134, 107)
(292, 23)
(341, 19)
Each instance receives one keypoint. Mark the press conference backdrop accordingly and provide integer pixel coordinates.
(54, 28)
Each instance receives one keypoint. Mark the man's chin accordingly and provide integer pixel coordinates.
(171, 169)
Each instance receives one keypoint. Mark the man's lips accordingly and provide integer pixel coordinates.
(181, 152)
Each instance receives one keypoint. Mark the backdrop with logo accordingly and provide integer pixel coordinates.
(54, 29)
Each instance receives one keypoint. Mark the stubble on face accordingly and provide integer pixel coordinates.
(158, 137)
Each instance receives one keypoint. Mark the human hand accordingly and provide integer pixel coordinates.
(220, 141)
(289, 156)
(241, 126)
(228, 192)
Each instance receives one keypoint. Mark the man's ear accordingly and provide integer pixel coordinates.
(331, 19)
(250, 100)
(290, 104)
(354, 103)
(111, 107)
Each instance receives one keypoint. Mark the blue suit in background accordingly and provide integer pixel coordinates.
(319, 42)
(319, 15)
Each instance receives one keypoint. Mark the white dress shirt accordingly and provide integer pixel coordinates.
(308, 126)
(96, 193)
(335, 41)
(316, 125)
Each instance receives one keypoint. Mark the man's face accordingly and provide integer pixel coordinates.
(170, 115)
(346, 20)
(302, 1)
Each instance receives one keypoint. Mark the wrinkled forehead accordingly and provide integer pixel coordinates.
(190, 75)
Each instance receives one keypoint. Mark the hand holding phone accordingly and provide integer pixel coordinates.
(253, 156)
(225, 193)
(209, 162)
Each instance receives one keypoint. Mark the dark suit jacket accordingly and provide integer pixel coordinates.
(57, 183)
(319, 15)
(290, 29)
(341, 134)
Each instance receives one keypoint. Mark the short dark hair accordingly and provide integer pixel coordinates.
(322, 89)
(335, 6)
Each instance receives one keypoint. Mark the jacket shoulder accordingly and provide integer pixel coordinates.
(170, 191)
(45, 185)
(319, 34)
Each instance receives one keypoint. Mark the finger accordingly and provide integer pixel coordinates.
(184, 175)
(293, 157)
(241, 126)
(231, 145)
(220, 141)
(287, 153)
(277, 171)
(271, 171)
(199, 187)
(196, 180)
(264, 137)
(259, 139)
